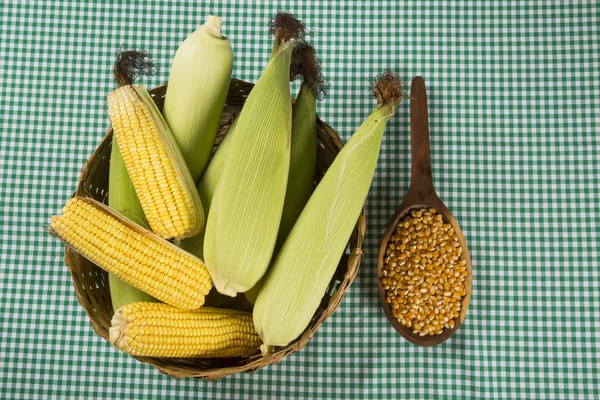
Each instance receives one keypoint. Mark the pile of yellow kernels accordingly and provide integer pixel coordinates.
(424, 274)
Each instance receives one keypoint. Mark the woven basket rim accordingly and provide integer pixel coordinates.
(201, 368)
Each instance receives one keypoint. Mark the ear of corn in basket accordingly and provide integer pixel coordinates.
(198, 84)
(303, 152)
(246, 209)
(132, 253)
(160, 330)
(154, 162)
(301, 271)
(122, 199)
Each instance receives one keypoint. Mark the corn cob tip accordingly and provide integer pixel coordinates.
(117, 329)
(305, 64)
(285, 27)
(213, 25)
(387, 88)
(266, 349)
(227, 287)
(132, 64)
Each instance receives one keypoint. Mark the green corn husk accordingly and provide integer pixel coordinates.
(303, 152)
(303, 159)
(122, 198)
(244, 217)
(206, 190)
(300, 273)
(208, 183)
(196, 93)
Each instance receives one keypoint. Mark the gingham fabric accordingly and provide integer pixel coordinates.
(514, 90)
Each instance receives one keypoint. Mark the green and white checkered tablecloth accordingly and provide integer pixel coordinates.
(514, 89)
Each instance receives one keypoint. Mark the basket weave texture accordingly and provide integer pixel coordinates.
(91, 282)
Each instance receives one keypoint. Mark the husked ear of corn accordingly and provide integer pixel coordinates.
(157, 169)
(303, 152)
(122, 199)
(206, 190)
(198, 85)
(159, 330)
(246, 210)
(301, 271)
(132, 253)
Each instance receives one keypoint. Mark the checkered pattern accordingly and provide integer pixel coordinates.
(514, 90)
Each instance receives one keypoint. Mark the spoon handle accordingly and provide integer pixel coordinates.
(421, 181)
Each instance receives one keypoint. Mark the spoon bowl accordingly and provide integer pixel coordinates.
(421, 194)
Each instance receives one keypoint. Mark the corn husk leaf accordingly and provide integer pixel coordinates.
(303, 159)
(301, 271)
(206, 190)
(196, 93)
(246, 209)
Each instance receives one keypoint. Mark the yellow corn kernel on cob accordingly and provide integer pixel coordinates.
(160, 177)
(132, 253)
(159, 330)
(122, 199)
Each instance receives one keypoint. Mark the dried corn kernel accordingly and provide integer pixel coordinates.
(424, 267)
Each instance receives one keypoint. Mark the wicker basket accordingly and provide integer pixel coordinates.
(91, 282)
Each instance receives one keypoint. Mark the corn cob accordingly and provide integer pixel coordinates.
(159, 330)
(132, 253)
(301, 271)
(196, 93)
(122, 199)
(303, 152)
(160, 177)
(206, 190)
(248, 201)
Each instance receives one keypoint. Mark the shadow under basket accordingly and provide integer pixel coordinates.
(91, 282)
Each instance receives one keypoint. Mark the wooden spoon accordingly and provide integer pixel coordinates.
(421, 194)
